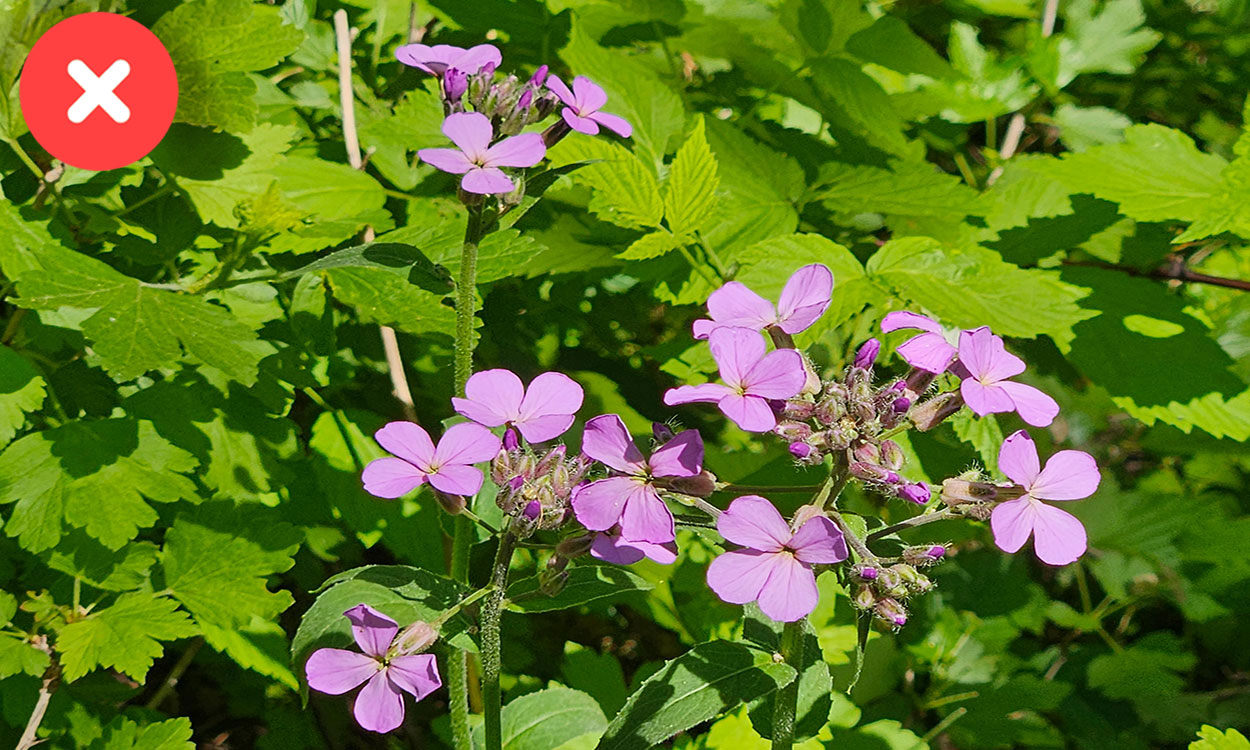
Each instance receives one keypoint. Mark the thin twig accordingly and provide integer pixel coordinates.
(1015, 128)
(175, 674)
(1174, 272)
(921, 520)
(51, 680)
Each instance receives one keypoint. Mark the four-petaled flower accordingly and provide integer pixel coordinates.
(804, 298)
(611, 547)
(988, 391)
(386, 675)
(929, 350)
(448, 468)
(775, 566)
(583, 103)
(479, 161)
(541, 412)
(1058, 537)
(631, 499)
(440, 58)
(753, 376)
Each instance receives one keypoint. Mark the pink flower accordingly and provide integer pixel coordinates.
(449, 467)
(928, 350)
(775, 568)
(583, 103)
(380, 705)
(752, 377)
(631, 498)
(803, 300)
(1058, 537)
(441, 57)
(497, 397)
(479, 161)
(986, 389)
(610, 546)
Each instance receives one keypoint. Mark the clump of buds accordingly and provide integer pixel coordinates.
(536, 489)
(883, 591)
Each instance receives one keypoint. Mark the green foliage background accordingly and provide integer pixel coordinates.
(191, 368)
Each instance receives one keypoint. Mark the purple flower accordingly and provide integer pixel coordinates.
(631, 499)
(1058, 537)
(752, 377)
(380, 705)
(915, 492)
(582, 107)
(929, 350)
(610, 546)
(986, 389)
(479, 161)
(803, 300)
(541, 412)
(448, 468)
(438, 59)
(775, 568)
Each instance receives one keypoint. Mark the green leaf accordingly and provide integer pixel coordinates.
(974, 287)
(123, 734)
(1144, 672)
(405, 261)
(18, 656)
(260, 645)
(884, 734)
(853, 100)
(815, 683)
(550, 719)
(1103, 37)
(1082, 128)
(380, 296)
(907, 189)
(890, 43)
(982, 433)
(214, 44)
(217, 561)
(124, 636)
(1210, 738)
(62, 474)
(625, 191)
(988, 87)
(598, 675)
(126, 569)
(585, 584)
(653, 245)
(690, 191)
(694, 687)
(21, 392)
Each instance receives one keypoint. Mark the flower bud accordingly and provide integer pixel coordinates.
(918, 381)
(798, 408)
(804, 514)
(453, 504)
(958, 491)
(511, 441)
(552, 584)
(891, 611)
(867, 472)
(931, 413)
(532, 511)
(924, 555)
(415, 639)
(892, 455)
(839, 437)
(864, 598)
(702, 484)
(501, 468)
(455, 84)
(805, 453)
(548, 462)
(900, 405)
(527, 96)
(865, 572)
(575, 546)
(867, 354)
(888, 579)
(868, 453)
(914, 492)
(812, 385)
(540, 76)
(792, 431)
(829, 410)
(662, 432)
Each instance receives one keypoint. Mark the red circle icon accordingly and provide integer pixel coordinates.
(98, 91)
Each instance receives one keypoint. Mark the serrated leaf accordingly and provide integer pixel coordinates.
(890, 43)
(1100, 37)
(124, 636)
(624, 189)
(235, 170)
(123, 734)
(379, 296)
(213, 44)
(260, 645)
(855, 101)
(403, 260)
(126, 569)
(21, 392)
(1210, 738)
(650, 246)
(18, 656)
(690, 191)
(585, 584)
(1085, 127)
(907, 188)
(217, 561)
(694, 687)
(983, 434)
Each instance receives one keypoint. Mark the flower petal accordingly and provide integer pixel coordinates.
(707, 393)
(738, 576)
(487, 181)
(736, 350)
(701, 328)
(736, 305)
(615, 123)
(751, 413)
(613, 549)
(901, 319)
(1018, 459)
(819, 542)
(1069, 475)
(493, 397)
(415, 673)
(457, 479)
(432, 60)
(391, 477)
(408, 441)
(780, 374)
(540, 429)
(928, 351)
(986, 356)
(985, 399)
(466, 443)
(1033, 406)
(551, 393)
(754, 522)
(790, 592)
(447, 159)
(646, 518)
(598, 505)
(380, 706)
(471, 132)
(607, 440)
(1058, 537)
(561, 90)
(334, 671)
(805, 297)
(372, 630)
(680, 457)
(523, 150)
(475, 58)
(1012, 523)
(589, 95)
(583, 125)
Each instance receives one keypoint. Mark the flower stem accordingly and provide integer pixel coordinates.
(751, 489)
(456, 608)
(51, 681)
(921, 520)
(786, 704)
(492, 609)
(466, 298)
(861, 550)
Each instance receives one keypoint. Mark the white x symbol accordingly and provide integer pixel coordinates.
(98, 92)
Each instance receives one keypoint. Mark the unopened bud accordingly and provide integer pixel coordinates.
(792, 431)
(867, 472)
(866, 572)
(453, 504)
(892, 456)
(511, 441)
(840, 437)
(891, 611)
(501, 468)
(540, 76)
(812, 385)
(798, 408)
(829, 410)
(931, 413)
(924, 555)
(527, 96)
(550, 460)
(455, 84)
(532, 511)
(864, 598)
(702, 484)
(867, 354)
(803, 515)
(415, 639)
(805, 453)
(914, 492)
(575, 546)
(888, 579)
(900, 405)
(662, 432)
(868, 453)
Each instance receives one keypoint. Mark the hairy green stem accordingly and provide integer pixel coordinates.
(466, 298)
(786, 704)
(921, 520)
(458, 661)
(492, 609)
(751, 489)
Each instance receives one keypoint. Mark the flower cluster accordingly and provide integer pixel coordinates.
(487, 116)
